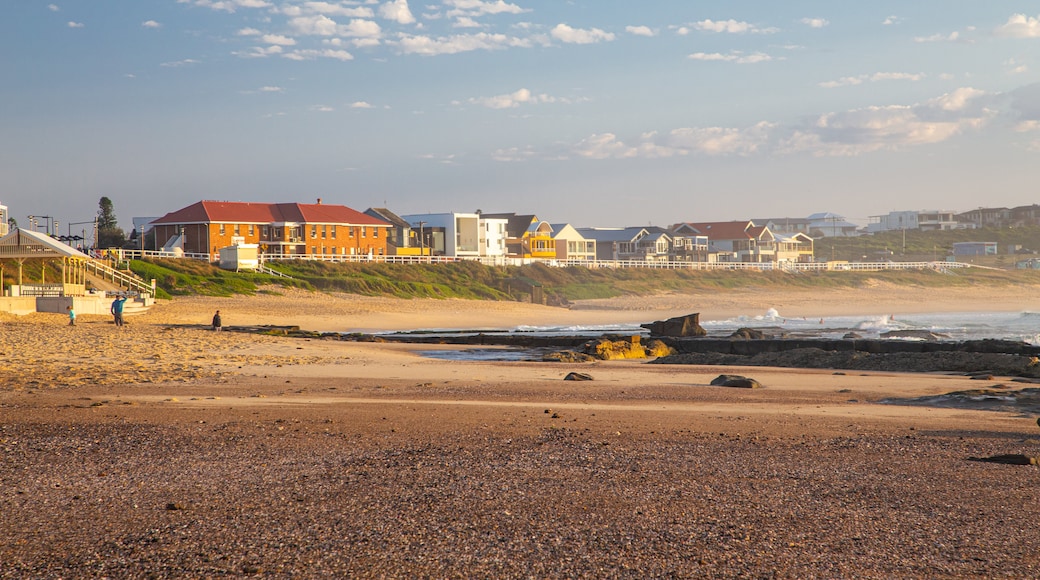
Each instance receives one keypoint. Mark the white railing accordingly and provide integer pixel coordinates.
(791, 267)
(125, 280)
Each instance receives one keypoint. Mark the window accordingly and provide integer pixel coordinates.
(375, 232)
(324, 231)
(222, 232)
(264, 232)
(314, 231)
(314, 249)
(237, 230)
(351, 232)
(334, 231)
(364, 231)
(252, 230)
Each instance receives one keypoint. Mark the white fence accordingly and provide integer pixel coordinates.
(793, 267)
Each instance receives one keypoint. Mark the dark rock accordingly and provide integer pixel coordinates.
(748, 334)
(606, 349)
(688, 325)
(577, 377)
(735, 381)
(567, 356)
(851, 336)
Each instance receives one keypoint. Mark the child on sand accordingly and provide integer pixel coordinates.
(72, 316)
(216, 321)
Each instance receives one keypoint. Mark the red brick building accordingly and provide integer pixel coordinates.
(280, 229)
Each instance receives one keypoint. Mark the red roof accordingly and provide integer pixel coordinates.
(237, 212)
(726, 230)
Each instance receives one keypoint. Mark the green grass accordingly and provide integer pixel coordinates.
(473, 281)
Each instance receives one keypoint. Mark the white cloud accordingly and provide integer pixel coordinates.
(847, 133)
(358, 28)
(1015, 68)
(398, 11)
(260, 51)
(72, 24)
(466, 22)
(479, 8)
(311, 54)
(271, 89)
(815, 22)
(227, 5)
(247, 32)
(640, 30)
(428, 46)
(891, 127)
(278, 39)
(151, 24)
(179, 63)
(1027, 126)
(565, 33)
(730, 26)
(329, 8)
(53, 8)
(360, 105)
(891, 20)
(879, 76)
(322, 108)
(512, 100)
(951, 37)
(1020, 26)
(319, 25)
(734, 56)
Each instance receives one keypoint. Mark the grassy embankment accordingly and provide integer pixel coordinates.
(470, 280)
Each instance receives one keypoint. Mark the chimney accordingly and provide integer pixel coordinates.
(319, 201)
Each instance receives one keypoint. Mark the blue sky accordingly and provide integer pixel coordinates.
(597, 113)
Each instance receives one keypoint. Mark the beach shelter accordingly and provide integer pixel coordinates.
(21, 245)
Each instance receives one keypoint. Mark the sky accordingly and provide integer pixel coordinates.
(591, 112)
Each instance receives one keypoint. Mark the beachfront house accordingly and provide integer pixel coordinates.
(631, 243)
(736, 241)
(926, 221)
(571, 245)
(526, 236)
(401, 240)
(452, 234)
(280, 230)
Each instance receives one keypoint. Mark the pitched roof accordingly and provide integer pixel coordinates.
(387, 216)
(611, 234)
(724, 230)
(262, 213)
(29, 244)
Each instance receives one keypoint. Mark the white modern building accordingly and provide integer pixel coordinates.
(459, 235)
(925, 220)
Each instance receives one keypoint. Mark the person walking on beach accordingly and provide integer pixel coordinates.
(216, 321)
(117, 309)
(72, 316)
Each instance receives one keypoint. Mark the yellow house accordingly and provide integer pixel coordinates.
(527, 236)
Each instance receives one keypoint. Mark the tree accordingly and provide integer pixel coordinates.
(109, 234)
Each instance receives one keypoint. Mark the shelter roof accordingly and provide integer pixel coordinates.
(29, 244)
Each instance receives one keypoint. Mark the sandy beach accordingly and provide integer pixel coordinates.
(164, 449)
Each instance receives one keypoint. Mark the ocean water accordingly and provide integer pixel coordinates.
(954, 326)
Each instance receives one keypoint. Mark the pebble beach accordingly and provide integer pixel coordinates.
(166, 450)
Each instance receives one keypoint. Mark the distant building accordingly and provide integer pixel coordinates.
(985, 217)
(926, 220)
(447, 234)
(633, 243)
(975, 248)
(401, 240)
(3, 220)
(831, 225)
(571, 245)
(279, 229)
(787, 225)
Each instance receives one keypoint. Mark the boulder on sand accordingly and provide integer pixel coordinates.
(735, 381)
(688, 325)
